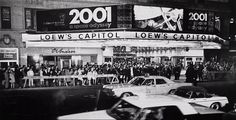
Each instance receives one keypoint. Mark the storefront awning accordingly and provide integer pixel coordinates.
(87, 44)
(123, 38)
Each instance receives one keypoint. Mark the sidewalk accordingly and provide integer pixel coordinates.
(182, 77)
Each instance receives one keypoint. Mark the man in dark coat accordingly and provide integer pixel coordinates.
(1, 77)
(18, 76)
(167, 71)
(177, 71)
(200, 71)
(190, 74)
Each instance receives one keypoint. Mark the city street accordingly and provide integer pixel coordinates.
(48, 103)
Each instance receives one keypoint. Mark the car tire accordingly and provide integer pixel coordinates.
(172, 91)
(215, 106)
(126, 94)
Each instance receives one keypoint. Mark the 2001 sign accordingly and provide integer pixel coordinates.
(92, 15)
(197, 16)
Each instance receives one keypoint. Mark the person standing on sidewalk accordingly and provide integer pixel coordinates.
(30, 74)
(12, 78)
(177, 71)
(41, 77)
(190, 74)
(6, 76)
(200, 71)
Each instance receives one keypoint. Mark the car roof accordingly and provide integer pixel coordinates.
(192, 88)
(160, 100)
(152, 76)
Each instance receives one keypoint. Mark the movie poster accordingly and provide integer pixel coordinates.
(158, 18)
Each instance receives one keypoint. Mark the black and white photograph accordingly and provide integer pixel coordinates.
(117, 60)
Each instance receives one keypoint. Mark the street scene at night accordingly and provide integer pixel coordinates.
(117, 60)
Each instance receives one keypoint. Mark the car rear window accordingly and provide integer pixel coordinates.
(160, 81)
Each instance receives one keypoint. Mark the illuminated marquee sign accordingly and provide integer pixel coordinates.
(199, 21)
(77, 18)
(117, 35)
(174, 36)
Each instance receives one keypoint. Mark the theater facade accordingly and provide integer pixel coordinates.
(76, 36)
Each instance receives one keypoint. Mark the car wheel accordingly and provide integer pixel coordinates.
(215, 106)
(171, 91)
(126, 94)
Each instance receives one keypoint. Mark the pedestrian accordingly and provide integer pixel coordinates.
(122, 75)
(200, 71)
(190, 74)
(6, 76)
(2, 77)
(80, 76)
(167, 71)
(89, 77)
(94, 76)
(41, 77)
(12, 78)
(30, 75)
(17, 76)
(177, 71)
(74, 79)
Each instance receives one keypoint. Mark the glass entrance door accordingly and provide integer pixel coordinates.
(65, 63)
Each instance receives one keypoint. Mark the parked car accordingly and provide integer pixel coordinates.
(105, 79)
(152, 107)
(145, 85)
(231, 115)
(199, 95)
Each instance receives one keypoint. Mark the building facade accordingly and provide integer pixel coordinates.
(74, 32)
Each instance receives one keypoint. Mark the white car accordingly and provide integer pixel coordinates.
(152, 107)
(200, 96)
(145, 85)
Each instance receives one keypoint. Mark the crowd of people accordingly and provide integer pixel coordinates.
(124, 70)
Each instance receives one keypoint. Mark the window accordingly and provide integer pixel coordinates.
(161, 113)
(30, 18)
(183, 93)
(124, 111)
(138, 81)
(198, 95)
(6, 17)
(148, 82)
(160, 81)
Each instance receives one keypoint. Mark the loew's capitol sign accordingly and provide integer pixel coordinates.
(117, 35)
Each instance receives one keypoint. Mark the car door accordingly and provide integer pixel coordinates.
(199, 98)
(161, 86)
(137, 86)
(149, 86)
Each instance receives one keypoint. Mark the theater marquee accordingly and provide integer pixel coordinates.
(118, 35)
(77, 18)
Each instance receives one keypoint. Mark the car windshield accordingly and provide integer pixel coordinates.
(106, 80)
(161, 113)
(183, 93)
(137, 81)
(124, 111)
